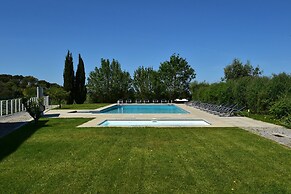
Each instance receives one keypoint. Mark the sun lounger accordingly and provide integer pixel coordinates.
(138, 101)
(164, 101)
(128, 101)
(220, 110)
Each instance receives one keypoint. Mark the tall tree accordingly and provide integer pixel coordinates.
(237, 70)
(80, 88)
(69, 78)
(146, 83)
(120, 82)
(176, 75)
(108, 83)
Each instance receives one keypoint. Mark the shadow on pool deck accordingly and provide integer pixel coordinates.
(51, 115)
(11, 142)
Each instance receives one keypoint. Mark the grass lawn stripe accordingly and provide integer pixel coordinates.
(186, 156)
(210, 165)
(240, 150)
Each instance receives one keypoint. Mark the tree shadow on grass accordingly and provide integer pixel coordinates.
(6, 128)
(11, 142)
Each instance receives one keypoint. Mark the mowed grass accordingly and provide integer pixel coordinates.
(57, 157)
(84, 106)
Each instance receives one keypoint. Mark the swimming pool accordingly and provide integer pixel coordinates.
(153, 123)
(144, 109)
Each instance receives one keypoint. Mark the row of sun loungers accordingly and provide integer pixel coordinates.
(142, 101)
(221, 110)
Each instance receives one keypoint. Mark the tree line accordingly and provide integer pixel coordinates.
(18, 86)
(244, 86)
(109, 82)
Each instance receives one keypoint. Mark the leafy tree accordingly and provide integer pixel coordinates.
(58, 94)
(29, 91)
(99, 82)
(176, 75)
(69, 77)
(80, 88)
(237, 70)
(158, 87)
(5, 78)
(120, 82)
(29, 81)
(43, 84)
(10, 90)
(146, 84)
(109, 83)
(5, 92)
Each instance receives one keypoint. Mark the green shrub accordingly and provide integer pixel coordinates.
(257, 95)
(34, 108)
(287, 121)
(282, 107)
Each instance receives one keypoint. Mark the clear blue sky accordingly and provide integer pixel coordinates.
(35, 35)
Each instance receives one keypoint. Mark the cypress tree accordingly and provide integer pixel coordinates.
(69, 78)
(80, 88)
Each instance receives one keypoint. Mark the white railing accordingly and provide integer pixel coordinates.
(11, 106)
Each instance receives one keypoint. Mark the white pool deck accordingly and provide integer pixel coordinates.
(214, 120)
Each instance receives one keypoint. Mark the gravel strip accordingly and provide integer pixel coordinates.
(279, 134)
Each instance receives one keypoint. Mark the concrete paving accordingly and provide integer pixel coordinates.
(194, 113)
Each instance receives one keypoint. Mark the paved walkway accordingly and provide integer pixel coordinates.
(274, 132)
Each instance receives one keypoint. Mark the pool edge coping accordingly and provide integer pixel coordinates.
(161, 119)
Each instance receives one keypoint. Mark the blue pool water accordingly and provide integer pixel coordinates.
(153, 123)
(144, 109)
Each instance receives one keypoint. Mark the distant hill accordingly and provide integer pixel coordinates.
(17, 86)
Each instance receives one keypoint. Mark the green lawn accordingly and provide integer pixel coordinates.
(57, 157)
(84, 106)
